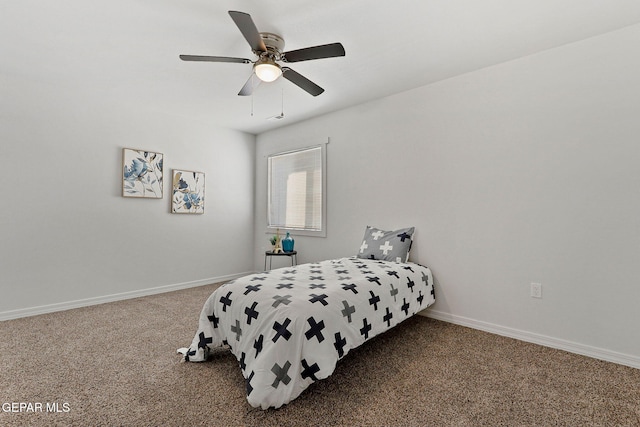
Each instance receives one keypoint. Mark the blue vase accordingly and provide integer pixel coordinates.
(287, 243)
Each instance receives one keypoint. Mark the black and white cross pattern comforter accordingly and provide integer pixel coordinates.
(289, 327)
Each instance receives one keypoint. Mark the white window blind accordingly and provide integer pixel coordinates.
(295, 193)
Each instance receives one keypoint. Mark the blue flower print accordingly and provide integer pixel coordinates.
(136, 171)
(191, 199)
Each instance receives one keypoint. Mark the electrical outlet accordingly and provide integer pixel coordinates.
(536, 290)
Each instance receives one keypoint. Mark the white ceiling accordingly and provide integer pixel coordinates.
(121, 50)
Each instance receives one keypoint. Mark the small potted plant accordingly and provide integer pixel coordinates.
(276, 243)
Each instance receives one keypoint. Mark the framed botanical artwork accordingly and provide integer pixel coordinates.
(188, 192)
(141, 174)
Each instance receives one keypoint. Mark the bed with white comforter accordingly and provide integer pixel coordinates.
(289, 327)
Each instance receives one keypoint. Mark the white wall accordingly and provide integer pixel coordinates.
(67, 233)
(523, 172)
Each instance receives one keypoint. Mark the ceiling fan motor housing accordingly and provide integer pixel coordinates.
(274, 44)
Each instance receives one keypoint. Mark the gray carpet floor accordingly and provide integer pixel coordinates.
(116, 365)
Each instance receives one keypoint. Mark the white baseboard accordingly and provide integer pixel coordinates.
(50, 308)
(572, 347)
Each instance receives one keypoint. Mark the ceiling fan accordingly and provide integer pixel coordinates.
(268, 47)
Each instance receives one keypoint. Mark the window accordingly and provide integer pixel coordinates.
(296, 191)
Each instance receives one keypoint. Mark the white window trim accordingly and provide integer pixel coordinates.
(295, 231)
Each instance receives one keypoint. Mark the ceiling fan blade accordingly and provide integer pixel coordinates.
(205, 58)
(250, 85)
(301, 81)
(248, 29)
(316, 52)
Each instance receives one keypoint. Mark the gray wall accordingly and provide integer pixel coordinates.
(70, 238)
(523, 172)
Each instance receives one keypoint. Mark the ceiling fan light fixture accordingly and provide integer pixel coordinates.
(267, 70)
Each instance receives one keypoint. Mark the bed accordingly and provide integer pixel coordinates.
(289, 327)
